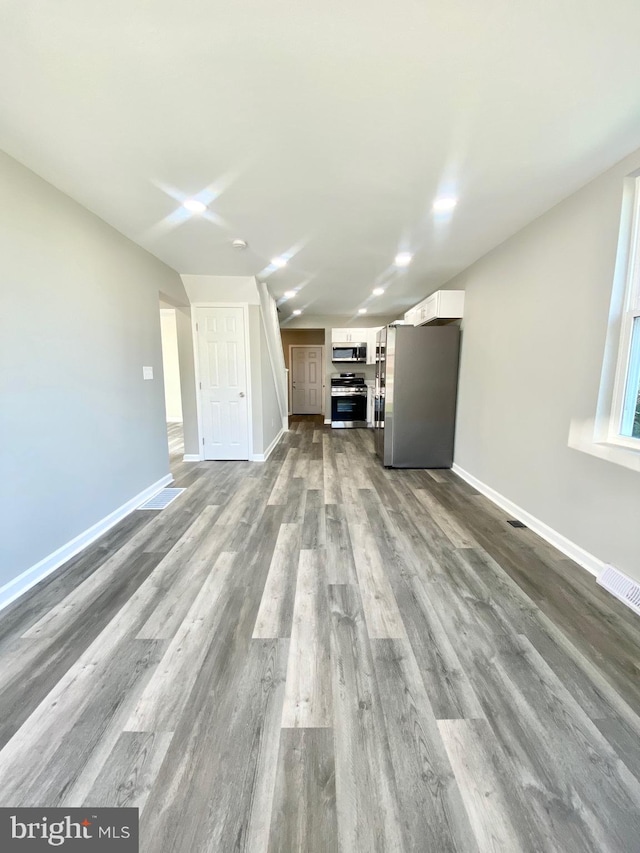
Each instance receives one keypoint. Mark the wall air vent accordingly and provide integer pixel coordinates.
(514, 522)
(621, 586)
(162, 499)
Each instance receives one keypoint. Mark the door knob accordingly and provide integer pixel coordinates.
(242, 393)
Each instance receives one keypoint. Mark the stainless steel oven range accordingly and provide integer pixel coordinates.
(348, 400)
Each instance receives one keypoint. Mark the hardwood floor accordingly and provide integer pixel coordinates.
(318, 654)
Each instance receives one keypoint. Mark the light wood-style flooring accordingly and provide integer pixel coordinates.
(318, 654)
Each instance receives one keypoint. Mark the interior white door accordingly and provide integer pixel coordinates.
(223, 382)
(306, 380)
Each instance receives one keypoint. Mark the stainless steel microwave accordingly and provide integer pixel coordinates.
(349, 352)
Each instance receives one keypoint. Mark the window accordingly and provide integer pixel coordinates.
(630, 421)
(625, 412)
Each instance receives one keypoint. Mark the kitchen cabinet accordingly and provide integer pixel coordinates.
(410, 317)
(348, 336)
(442, 305)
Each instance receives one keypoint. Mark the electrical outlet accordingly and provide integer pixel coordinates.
(147, 372)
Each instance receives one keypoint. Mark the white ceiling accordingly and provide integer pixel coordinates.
(322, 129)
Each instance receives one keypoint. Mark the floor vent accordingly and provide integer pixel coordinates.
(162, 499)
(515, 523)
(621, 586)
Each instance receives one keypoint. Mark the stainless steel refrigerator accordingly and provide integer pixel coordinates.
(415, 395)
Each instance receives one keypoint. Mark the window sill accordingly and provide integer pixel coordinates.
(581, 437)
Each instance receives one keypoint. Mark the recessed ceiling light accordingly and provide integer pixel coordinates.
(403, 259)
(279, 262)
(297, 311)
(378, 291)
(194, 206)
(239, 244)
(289, 294)
(362, 310)
(444, 204)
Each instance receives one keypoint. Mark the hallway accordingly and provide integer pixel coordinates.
(317, 654)
(175, 440)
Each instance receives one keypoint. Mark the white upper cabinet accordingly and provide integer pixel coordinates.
(411, 317)
(441, 305)
(348, 336)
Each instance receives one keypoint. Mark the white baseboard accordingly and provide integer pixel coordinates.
(20, 584)
(327, 421)
(192, 457)
(174, 420)
(262, 457)
(583, 558)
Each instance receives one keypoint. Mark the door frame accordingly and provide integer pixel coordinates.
(323, 378)
(195, 306)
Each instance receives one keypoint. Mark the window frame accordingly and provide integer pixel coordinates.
(630, 311)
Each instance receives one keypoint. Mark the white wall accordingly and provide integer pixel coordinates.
(534, 330)
(271, 415)
(170, 364)
(255, 368)
(221, 288)
(81, 433)
(273, 344)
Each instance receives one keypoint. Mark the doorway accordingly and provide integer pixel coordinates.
(303, 337)
(172, 388)
(223, 383)
(306, 377)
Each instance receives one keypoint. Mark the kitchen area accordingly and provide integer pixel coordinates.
(353, 359)
(399, 379)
